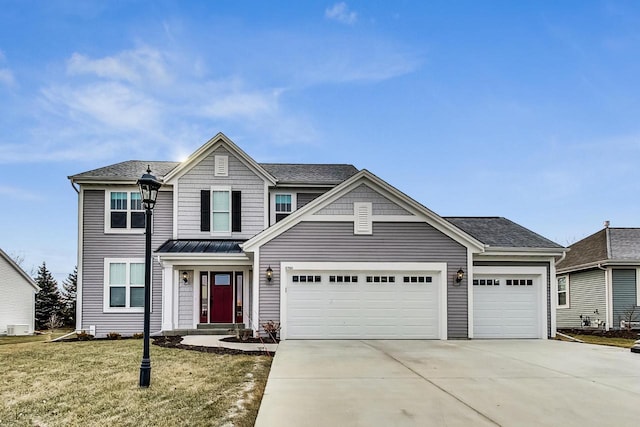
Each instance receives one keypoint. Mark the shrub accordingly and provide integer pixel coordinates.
(137, 336)
(113, 336)
(84, 336)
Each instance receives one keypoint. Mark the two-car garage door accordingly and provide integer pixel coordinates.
(371, 302)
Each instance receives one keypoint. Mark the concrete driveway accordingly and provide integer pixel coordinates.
(452, 383)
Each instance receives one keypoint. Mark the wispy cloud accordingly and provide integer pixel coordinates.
(131, 65)
(17, 193)
(340, 12)
(6, 75)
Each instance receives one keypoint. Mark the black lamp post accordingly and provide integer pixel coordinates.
(149, 187)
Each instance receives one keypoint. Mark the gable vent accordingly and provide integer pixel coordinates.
(362, 223)
(221, 166)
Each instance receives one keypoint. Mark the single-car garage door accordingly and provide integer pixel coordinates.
(506, 306)
(365, 304)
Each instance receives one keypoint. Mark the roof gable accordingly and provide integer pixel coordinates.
(20, 271)
(417, 212)
(212, 145)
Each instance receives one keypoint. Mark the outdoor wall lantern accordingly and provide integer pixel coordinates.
(269, 274)
(149, 187)
(459, 276)
(185, 278)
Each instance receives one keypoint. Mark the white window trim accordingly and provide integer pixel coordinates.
(107, 211)
(363, 218)
(221, 233)
(272, 199)
(220, 165)
(566, 277)
(106, 294)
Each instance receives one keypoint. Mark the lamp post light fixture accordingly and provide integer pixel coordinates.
(149, 187)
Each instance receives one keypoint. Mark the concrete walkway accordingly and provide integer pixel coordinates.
(451, 383)
(214, 341)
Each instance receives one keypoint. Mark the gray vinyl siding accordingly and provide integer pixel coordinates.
(97, 246)
(185, 305)
(390, 242)
(304, 198)
(624, 294)
(380, 204)
(526, 264)
(586, 296)
(201, 177)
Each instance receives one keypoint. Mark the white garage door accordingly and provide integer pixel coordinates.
(332, 304)
(506, 306)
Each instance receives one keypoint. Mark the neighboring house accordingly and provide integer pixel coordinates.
(327, 251)
(17, 298)
(599, 280)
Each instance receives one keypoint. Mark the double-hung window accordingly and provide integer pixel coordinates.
(221, 211)
(124, 211)
(283, 205)
(124, 284)
(563, 291)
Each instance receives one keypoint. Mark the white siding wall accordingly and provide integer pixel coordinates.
(185, 306)
(17, 298)
(201, 177)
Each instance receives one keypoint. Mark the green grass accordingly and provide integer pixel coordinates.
(96, 383)
(615, 342)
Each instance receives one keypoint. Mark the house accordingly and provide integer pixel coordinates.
(17, 298)
(328, 251)
(599, 281)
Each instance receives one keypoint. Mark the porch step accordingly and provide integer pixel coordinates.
(207, 329)
(225, 326)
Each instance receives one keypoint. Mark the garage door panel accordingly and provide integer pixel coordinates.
(362, 309)
(506, 311)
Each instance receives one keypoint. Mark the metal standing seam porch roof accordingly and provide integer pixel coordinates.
(181, 246)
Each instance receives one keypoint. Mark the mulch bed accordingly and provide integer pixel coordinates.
(175, 342)
(621, 333)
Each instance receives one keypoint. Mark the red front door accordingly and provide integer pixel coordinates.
(221, 298)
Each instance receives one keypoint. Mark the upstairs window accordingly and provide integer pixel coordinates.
(283, 206)
(220, 211)
(124, 211)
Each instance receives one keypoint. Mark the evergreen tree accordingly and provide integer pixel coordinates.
(68, 299)
(48, 299)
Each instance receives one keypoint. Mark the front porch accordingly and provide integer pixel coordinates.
(206, 287)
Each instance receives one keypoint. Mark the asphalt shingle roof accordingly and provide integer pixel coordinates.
(285, 173)
(501, 232)
(288, 173)
(619, 244)
(127, 171)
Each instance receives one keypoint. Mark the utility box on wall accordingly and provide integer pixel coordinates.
(16, 330)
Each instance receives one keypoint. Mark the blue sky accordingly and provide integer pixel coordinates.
(528, 110)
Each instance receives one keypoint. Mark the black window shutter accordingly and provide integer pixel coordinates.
(205, 210)
(236, 211)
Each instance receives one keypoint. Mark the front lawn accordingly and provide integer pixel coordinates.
(96, 383)
(601, 340)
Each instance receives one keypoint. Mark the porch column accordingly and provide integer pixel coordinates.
(167, 298)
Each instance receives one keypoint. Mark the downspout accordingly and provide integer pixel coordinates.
(73, 185)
